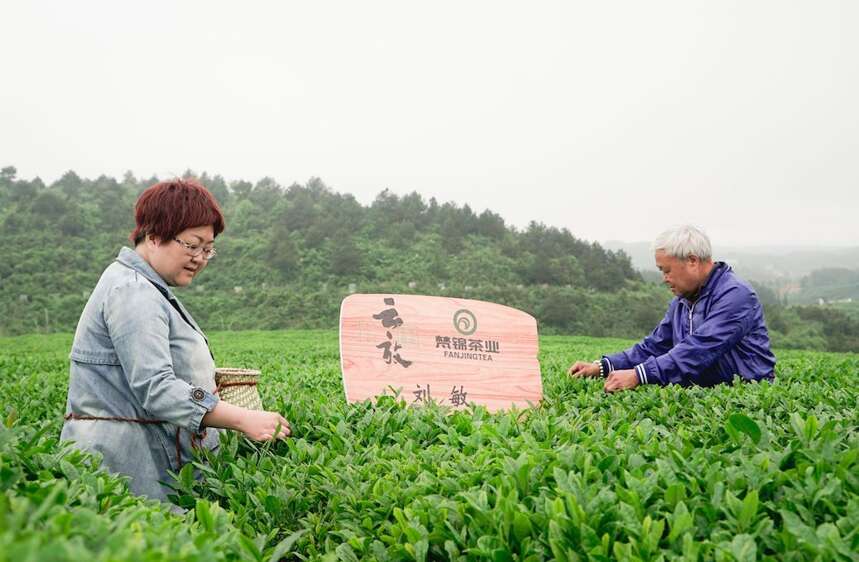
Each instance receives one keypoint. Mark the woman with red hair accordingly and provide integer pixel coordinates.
(141, 375)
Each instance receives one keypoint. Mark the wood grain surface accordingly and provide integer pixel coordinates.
(453, 351)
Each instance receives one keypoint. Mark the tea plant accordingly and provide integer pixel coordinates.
(743, 472)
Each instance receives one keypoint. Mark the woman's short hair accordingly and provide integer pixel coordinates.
(169, 207)
(684, 241)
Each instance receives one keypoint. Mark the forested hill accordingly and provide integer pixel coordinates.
(289, 255)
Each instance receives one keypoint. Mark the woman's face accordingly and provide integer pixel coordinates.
(173, 261)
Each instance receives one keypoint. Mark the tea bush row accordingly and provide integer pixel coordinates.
(745, 472)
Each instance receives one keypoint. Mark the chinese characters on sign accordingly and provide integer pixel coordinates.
(421, 394)
(387, 354)
(449, 351)
(453, 347)
(462, 348)
(457, 396)
(391, 319)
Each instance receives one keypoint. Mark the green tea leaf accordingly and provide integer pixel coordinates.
(747, 425)
(285, 545)
(744, 549)
(345, 553)
(749, 509)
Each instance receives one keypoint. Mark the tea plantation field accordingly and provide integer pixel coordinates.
(749, 472)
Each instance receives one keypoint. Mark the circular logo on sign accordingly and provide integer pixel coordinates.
(464, 322)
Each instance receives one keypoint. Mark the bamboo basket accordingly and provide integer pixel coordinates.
(238, 387)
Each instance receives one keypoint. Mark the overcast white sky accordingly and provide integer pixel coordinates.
(614, 119)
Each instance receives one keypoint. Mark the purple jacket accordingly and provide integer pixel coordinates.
(705, 342)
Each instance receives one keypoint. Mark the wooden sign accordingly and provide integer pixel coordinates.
(451, 351)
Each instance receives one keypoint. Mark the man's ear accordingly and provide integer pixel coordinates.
(693, 260)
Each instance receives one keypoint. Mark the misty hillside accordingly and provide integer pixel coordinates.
(799, 274)
(290, 255)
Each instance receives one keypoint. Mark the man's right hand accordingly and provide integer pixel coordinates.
(584, 369)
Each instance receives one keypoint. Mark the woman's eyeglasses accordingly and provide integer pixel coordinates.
(195, 250)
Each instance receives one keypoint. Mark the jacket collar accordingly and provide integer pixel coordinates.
(720, 268)
(131, 259)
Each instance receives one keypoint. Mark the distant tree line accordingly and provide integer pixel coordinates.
(290, 254)
(831, 284)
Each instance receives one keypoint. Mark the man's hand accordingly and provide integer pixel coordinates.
(584, 369)
(621, 380)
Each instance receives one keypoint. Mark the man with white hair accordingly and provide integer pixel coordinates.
(713, 329)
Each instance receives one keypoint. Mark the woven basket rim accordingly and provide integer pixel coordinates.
(239, 386)
(233, 371)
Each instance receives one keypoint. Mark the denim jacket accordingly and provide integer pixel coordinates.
(138, 355)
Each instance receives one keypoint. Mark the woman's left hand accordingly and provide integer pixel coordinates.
(264, 426)
(258, 425)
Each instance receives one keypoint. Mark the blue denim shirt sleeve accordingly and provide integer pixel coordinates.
(138, 321)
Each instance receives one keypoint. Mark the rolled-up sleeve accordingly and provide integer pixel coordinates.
(138, 321)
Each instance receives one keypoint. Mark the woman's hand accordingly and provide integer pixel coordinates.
(264, 426)
(255, 424)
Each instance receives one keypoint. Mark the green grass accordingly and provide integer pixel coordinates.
(745, 472)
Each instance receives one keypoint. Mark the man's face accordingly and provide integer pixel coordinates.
(683, 276)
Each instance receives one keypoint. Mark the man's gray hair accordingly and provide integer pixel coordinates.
(684, 241)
